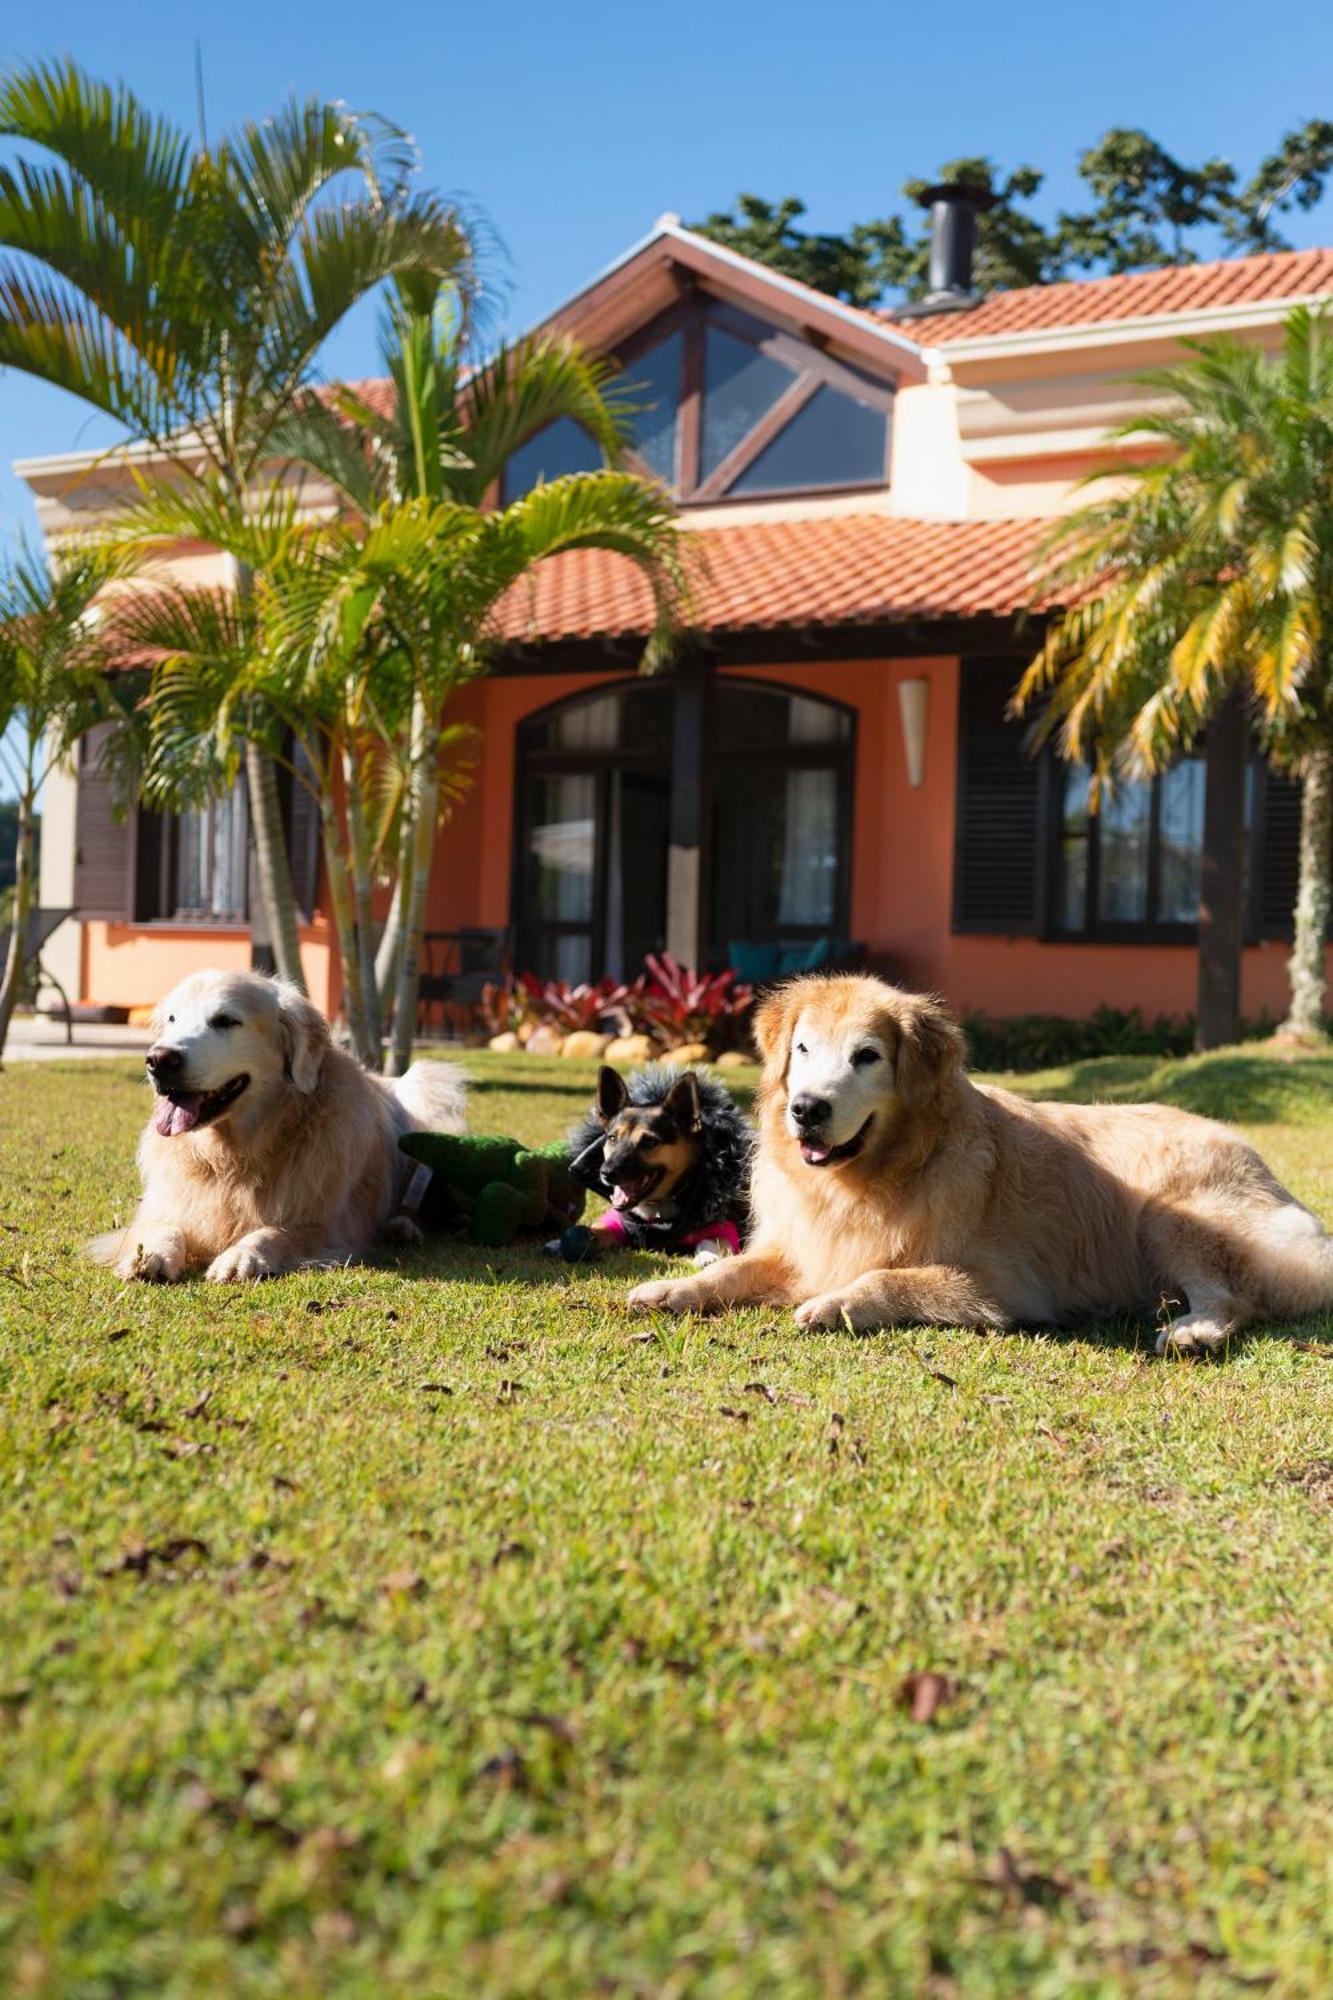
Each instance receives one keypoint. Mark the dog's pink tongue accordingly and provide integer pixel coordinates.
(813, 1155)
(174, 1117)
(620, 1197)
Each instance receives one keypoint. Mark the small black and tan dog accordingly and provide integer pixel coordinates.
(671, 1152)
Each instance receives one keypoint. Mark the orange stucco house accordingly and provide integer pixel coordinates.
(829, 757)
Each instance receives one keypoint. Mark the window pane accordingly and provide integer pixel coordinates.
(1125, 819)
(810, 849)
(561, 847)
(740, 386)
(569, 958)
(1181, 835)
(833, 441)
(775, 854)
(635, 718)
(653, 381)
(562, 447)
(1074, 850)
(751, 718)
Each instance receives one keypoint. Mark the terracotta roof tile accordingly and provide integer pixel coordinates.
(847, 569)
(1183, 288)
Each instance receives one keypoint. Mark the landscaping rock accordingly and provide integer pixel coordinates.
(691, 1052)
(630, 1049)
(585, 1045)
(507, 1044)
(545, 1041)
(734, 1059)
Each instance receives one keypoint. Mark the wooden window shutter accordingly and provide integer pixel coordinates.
(103, 844)
(998, 844)
(1279, 855)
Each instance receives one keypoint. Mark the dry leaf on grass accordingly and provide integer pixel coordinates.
(924, 1694)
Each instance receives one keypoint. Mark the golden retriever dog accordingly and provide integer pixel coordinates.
(268, 1148)
(890, 1189)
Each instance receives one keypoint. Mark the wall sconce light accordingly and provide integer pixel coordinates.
(913, 707)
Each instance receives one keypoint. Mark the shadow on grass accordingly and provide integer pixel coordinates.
(1260, 1089)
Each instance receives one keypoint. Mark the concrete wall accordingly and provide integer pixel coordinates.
(55, 879)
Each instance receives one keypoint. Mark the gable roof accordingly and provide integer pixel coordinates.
(651, 275)
(846, 569)
(1276, 279)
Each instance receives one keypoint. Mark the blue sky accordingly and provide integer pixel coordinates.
(574, 126)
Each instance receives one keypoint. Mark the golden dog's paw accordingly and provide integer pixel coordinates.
(160, 1266)
(671, 1295)
(832, 1312)
(401, 1229)
(1195, 1334)
(241, 1264)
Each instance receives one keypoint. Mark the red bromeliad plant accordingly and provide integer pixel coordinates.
(557, 1004)
(676, 1004)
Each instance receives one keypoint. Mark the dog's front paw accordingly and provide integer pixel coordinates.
(1195, 1334)
(829, 1313)
(241, 1264)
(401, 1229)
(153, 1264)
(673, 1295)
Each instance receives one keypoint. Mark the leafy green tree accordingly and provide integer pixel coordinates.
(1205, 575)
(1293, 177)
(187, 291)
(53, 688)
(857, 267)
(1148, 209)
(1148, 205)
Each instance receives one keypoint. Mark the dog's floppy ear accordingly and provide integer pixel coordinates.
(684, 1103)
(773, 1022)
(305, 1037)
(930, 1048)
(612, 1094)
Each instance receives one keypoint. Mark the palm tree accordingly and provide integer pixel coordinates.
(1207, 578)
(53, 687)
(425, 473)
(186, 292)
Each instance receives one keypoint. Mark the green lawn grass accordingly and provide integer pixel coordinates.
(438, 1628)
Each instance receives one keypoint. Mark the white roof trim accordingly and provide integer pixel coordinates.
(669, 228)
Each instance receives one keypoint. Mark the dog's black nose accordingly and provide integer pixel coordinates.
(810, 1111)
(163, 1061)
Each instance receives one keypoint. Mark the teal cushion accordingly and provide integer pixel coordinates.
(753, 961)
(805, 957)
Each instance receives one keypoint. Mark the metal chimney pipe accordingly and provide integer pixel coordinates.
(954, 207)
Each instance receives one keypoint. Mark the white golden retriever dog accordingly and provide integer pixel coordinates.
(268, 1148)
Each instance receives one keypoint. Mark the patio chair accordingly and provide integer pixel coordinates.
(456, 966)
(42, 927)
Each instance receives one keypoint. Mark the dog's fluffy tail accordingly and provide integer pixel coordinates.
(434, 1096)
(1294, 1261)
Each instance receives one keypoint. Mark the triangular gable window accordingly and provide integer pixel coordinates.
(729, 406)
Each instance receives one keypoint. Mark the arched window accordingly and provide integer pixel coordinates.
(594, 825)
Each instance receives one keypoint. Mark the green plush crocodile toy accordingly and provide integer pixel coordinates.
(492, 1186)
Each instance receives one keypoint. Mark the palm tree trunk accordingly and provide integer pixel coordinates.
(273, 864)
(344, 923)
(391, 941)
(1305, 1018)
(1222, 877)
(16, 957)
(425, 802)
(273, 867)
(363, 892)
(391, 944)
